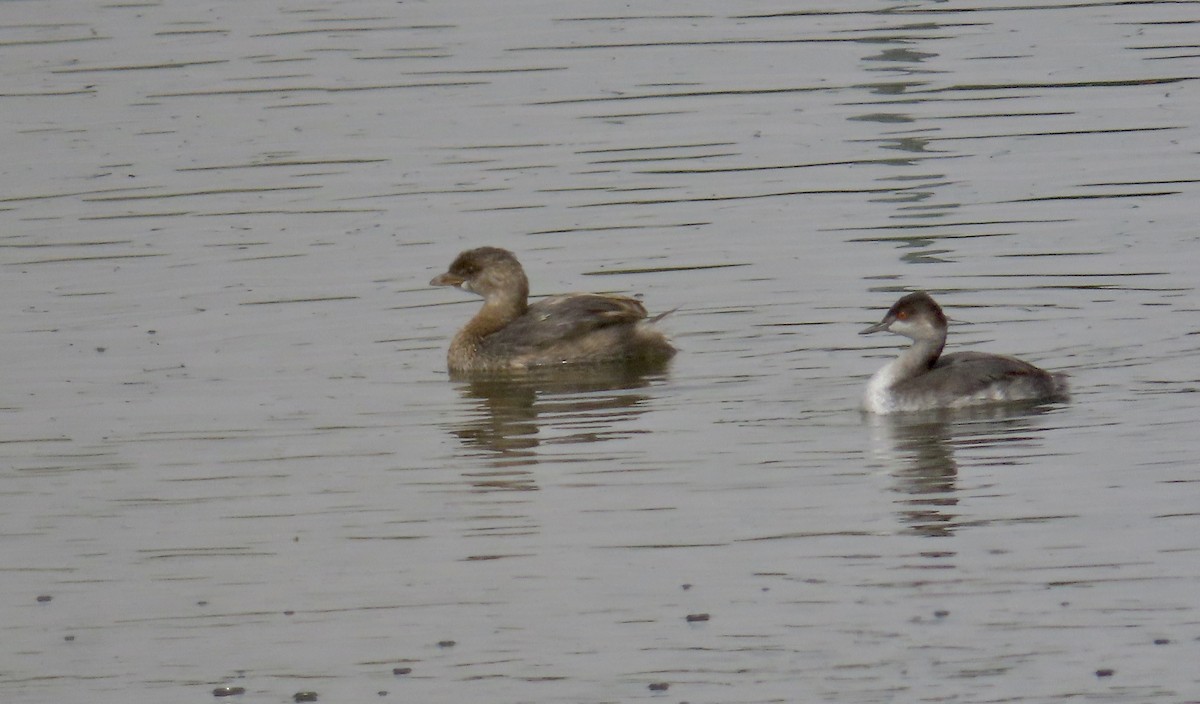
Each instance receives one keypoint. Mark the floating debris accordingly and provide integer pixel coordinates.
(692, 618)
(228, 691)
(304, 697)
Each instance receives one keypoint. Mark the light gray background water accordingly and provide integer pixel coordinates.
(231, 455)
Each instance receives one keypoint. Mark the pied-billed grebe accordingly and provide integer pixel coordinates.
(576, 328)
(922, 378)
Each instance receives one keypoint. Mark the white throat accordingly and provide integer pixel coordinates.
(878, 397)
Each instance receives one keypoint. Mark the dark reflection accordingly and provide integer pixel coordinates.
(915, 144)
(514, 415)
(894, 104)
(919, 450)
(901, 55)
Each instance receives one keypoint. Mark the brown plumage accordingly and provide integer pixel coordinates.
(577, 328)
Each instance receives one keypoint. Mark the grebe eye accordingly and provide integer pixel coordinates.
(902, 315)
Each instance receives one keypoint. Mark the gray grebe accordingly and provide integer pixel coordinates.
(922, 378)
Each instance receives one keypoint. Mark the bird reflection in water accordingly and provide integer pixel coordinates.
(515, 415)
(919, 448)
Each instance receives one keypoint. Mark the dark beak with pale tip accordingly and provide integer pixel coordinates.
(878, 327)
(446, 279)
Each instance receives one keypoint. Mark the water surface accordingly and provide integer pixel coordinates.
(232, 456)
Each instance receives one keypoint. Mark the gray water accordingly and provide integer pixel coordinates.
(232, 457)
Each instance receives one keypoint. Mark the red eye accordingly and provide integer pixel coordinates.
(902, 315)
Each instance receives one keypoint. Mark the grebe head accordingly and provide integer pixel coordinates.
(916, 316)
(487, 271)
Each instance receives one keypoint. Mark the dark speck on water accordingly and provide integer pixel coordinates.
(304, 697)
(446, 644)
(228, 691)
(43, 598)
(692, 618)
(401, 670)
(659, 686)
